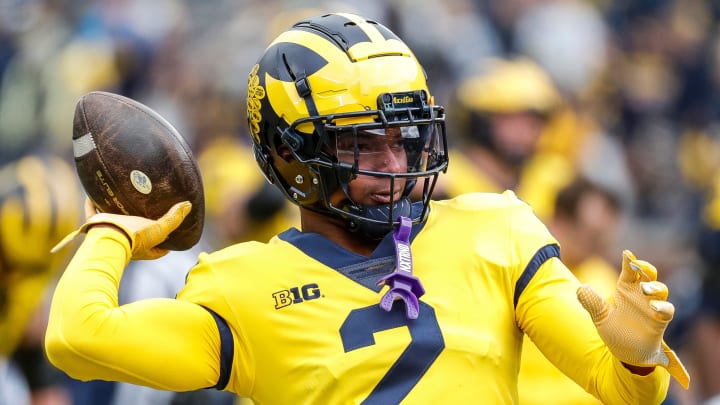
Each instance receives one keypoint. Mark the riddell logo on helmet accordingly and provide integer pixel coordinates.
(403, 100)
(296, 295)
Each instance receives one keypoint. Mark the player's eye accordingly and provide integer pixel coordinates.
(375, 141)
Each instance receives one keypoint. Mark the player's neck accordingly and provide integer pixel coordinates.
(335, 230)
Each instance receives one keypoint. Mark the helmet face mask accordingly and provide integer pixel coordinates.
(341, 113)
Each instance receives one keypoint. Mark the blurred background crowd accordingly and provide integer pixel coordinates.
(556, 99)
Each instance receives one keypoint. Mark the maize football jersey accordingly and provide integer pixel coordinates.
(300, 320)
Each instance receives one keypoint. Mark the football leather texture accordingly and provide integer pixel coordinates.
(132, 161)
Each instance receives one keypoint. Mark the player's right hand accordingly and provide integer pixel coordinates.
(144, 234)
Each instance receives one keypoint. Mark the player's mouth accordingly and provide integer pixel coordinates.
(384, 197)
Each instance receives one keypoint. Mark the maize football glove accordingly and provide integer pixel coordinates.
(633, 321)
(144, 234)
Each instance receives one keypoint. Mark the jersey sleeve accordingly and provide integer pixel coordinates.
(210, 284)
(161, 343)
(548, 311)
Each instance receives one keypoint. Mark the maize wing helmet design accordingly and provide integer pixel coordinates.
(40, 203)
(329, 78)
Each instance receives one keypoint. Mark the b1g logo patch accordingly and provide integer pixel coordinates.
(296, 295)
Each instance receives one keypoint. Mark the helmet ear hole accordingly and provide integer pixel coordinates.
(285, 153)
(281, 147)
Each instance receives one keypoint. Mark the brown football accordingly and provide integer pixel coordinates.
(131, 161)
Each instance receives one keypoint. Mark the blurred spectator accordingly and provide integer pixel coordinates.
(31, 33)
(572, 46)
(39, 204)
(446, 54)
(659, 88)
(704, 332)
(499, 116)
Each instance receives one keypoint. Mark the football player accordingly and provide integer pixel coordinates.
(39, 204)
(378, 298)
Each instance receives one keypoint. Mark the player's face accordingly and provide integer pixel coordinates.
(596, 225)
(516, 135)
(378, 151)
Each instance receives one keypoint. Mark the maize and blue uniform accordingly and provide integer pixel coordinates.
(297, 320)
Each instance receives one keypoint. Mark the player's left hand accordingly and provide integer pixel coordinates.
(633, 322)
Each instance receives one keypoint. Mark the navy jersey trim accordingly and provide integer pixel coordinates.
(365, 271)
(333, 255)
(541, 256)
(227, 350)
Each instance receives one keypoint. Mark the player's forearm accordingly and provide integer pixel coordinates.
(83, 299)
